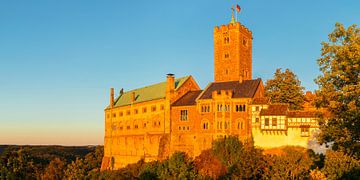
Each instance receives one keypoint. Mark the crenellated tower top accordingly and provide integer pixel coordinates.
(232, 52)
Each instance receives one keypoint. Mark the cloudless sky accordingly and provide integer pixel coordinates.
(58, 59)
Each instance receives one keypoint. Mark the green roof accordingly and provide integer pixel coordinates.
(147, 93)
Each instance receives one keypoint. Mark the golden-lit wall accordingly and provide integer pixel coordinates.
(141, 130)
(294, 131)
(134, 132)
(292, 136)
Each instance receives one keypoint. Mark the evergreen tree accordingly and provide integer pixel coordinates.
(285, 87)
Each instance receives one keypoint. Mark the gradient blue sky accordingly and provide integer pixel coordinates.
(58, 59)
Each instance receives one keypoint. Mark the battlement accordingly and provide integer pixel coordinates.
(230, 26)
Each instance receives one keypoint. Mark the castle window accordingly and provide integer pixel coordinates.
(127, 127)
(241, 125)
(162, 107)
(274, 122)
(114, 115)
(188, 128)
(179, 128)
(304, 131)
(144, 125)
(206, 125)
(136, 111)
(183, 115)
(226, 55)
(226, 72)
(136, 126)
(205, 108)
(121, 114)
(219, 106)
(239, 108)
(226, 40)
(183, 128)
(245, 42)
(257, 108)
(218, 92)
(128, 112)
(153, 108)
(225, 125)
(266, 121)
(256, 120)
(144, 110)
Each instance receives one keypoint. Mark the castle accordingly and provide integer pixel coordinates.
(152, 122)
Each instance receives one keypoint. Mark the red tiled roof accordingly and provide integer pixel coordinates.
(188, 99)
(275, 110)
(246, 89)
(260, 101)
(302, 114)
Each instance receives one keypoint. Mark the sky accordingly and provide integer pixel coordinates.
(58, 59)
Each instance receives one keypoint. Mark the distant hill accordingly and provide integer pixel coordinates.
(44, 154)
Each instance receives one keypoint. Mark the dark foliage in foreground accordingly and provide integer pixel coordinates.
(228, 159)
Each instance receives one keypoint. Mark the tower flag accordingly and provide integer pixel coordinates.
(238, 8)
(237, 11)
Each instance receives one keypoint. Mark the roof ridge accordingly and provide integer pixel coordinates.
(147, 86)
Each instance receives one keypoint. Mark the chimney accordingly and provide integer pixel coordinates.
(170, 86)
(133, 97)
(111, 97)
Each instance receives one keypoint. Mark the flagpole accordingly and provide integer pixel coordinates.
(236, 16)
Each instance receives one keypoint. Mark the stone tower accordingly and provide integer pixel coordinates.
(232, 52)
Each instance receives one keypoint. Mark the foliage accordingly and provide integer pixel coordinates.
(208, 165)
(228, 159)
(243, 161)
(17, 165)
(340, 89)
(179, 165)
(341, 166)
(293, 163)
(285, 87)
(54, 170)
(85, 167)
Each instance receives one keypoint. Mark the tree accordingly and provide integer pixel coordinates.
(243, 161)
(208, 165)
(285, 87)
(293, 163)
(17, 165)
(178, 166)
(341, 166)
(339, 89)
(55, 170)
